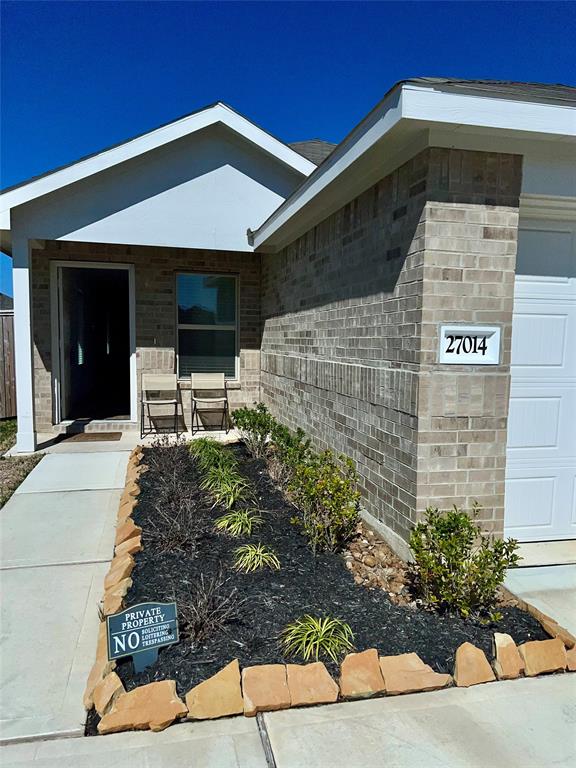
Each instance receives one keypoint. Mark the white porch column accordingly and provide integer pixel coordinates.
(21, 261)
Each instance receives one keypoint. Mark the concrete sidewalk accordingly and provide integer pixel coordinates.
(551, 589)
(56, 539)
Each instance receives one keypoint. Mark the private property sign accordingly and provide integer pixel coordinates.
(140, 631)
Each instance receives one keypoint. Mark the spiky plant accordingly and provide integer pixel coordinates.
(252, 557)
(208, 453)
(311, 638)
(240, 522)
(226, 485)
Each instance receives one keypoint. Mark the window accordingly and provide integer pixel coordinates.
(207, 324)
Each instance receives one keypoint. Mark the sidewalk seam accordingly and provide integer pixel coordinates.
(265, 739)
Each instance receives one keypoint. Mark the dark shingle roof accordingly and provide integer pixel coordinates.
(547, 91)
(314, 150)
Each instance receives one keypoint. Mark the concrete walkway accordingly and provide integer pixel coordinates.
(56, 539)
(551, 589)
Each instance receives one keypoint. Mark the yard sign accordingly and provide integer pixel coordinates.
(140, 631)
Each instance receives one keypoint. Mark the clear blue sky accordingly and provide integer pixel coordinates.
(78, 76)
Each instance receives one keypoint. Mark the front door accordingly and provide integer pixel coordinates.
(94, 335)
(541, 453)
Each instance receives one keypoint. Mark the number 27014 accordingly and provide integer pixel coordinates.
(460, 344)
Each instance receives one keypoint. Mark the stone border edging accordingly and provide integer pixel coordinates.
(270, 687)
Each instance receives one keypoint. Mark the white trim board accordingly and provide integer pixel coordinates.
(408, 109)
(55, 323)
(217, 113)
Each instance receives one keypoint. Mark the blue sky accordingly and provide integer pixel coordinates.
(78, 76)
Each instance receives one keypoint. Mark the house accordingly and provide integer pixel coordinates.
(407, 297)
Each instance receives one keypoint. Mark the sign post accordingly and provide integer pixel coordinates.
(140, 631)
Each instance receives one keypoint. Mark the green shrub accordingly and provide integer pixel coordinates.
(252, 557)
(312, 638)
(457, 568)
(287, 451)
(325, 492)
(254, 425)
(240, 522)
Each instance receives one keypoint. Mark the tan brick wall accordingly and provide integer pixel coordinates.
(351, 313)
(155, 270)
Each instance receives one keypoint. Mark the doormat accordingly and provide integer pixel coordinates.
(93, 437)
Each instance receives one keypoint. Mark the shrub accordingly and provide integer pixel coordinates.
(328, 500)
(174, 528)
(254, 425)
(288, 450)
(252, 557)
(209, 608)
(241, 522)
(457, 568)
(311, 638)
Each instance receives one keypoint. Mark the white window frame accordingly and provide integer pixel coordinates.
(200, 327)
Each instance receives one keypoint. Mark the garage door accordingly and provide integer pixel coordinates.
(541, 454)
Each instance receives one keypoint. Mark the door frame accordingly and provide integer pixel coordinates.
(57, 341)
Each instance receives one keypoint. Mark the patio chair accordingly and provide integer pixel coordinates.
(209, 395)
(159, 389)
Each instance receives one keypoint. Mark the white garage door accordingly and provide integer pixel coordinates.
(541, 455)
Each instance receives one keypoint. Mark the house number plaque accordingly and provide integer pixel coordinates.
(469, 345)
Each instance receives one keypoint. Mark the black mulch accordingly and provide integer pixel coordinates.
(305, 584)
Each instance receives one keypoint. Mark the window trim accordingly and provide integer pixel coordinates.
(202, 327)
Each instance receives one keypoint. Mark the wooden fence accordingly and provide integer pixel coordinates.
(7, 371)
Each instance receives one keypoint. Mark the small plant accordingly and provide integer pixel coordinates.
(288, 450)
(240, 522)
(254, 425)
(174, 528)
(326, 494)
(457, 568)
(208, 453)
(209, 608)
(252, 557)
(227, 486)
(312, 638)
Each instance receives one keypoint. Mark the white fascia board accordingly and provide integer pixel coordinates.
(428, 106)
(219, 113)
(432, 105)
(377, 124)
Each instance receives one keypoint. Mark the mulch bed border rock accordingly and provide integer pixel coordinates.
(269, 687)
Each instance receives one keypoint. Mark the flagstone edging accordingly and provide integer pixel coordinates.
(269, 687)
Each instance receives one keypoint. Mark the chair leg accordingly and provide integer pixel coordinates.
(141, 420)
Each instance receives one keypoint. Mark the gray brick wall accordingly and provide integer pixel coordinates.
(155, 270)
(351, 311)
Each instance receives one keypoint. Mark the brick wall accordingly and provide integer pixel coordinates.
(155, 270)
(350, 314)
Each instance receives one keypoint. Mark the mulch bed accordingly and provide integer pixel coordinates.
(13, 470)
(321, 585)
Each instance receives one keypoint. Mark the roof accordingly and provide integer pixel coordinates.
(547, 91)
(217, 113)
(409, 107)
(316, 150)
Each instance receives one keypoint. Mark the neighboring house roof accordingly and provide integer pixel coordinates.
(6, 302)
(316, 150)
(376, 145)
(213, 114)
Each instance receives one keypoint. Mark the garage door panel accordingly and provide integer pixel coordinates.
(541, 453)
(536, 498)
(542, 425)
(540, 340)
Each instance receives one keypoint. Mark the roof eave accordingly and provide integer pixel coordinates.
(404, 107)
